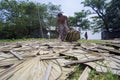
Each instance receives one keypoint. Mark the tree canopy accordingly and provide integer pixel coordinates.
(19, 19)
(108, 14)
(107, 19)
(80, 20)
(113, 15)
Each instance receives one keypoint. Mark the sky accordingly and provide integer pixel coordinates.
(69, 7)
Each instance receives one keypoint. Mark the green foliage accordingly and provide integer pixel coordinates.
(92, 41)
(113, 15)
(108, 14)
(93, 75)
(80, 20)
(7, 32)
(99, 7)
(78, 71)
(97, 24)
(53, 10)
(19, 19)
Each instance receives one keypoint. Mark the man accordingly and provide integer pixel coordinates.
(86, 35)
(62, 26)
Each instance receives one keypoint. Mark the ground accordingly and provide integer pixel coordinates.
(52, 59)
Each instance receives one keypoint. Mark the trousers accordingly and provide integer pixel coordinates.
(63, 29)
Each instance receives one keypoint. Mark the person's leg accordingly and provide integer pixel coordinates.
(60, 32)
(64, 33)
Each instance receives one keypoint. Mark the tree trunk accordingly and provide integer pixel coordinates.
(40, 24)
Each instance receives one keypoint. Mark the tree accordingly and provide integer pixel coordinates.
(72, 21)
(19, 16)
(22, 19)
(41, 16)
(108, 18)
(80, 20)
(99, 6)
(53, 10)
(113, 15)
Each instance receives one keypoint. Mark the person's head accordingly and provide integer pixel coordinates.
(59, 14)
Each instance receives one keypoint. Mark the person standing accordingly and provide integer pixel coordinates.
(62, 24)
(86, 35)
(48, 35)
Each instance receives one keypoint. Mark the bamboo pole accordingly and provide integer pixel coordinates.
(16, 55)
(110, 50)
(84, 61)
(51, 58)
(47, 72)
(85, 74)
(40, 22)
(9, 70)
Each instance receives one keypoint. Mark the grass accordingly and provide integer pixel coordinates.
(77, 73)
(93, 75)
(92, 41)
(24, 39)
(13, 40)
